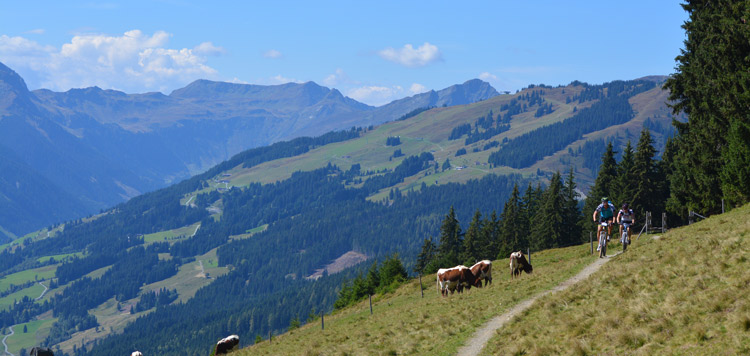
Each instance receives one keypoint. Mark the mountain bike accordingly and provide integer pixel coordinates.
(603, 237)
(625, 237)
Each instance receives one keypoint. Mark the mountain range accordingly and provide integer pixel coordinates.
(69, 154)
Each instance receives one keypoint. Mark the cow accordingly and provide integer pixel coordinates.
(226, 344)
(518, 263)
(450, 279)
(483, 271)
(41, 351)
(136, 353)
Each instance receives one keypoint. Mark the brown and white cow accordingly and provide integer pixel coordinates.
(450, 279)
(483, 271)
(519, 263)
(136, 353)
(227, 344)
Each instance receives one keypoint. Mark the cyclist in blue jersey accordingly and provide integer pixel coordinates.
(605, 212)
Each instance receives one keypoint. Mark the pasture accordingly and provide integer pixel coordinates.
(18, 278)
(36, 332)
(403, 323)
(684, 293)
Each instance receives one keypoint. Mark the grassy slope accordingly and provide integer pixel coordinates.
(406, 324)
(36, 332)
(683, 294)
(429, 131)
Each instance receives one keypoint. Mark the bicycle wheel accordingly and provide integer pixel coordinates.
(624, 241)
(602, 244)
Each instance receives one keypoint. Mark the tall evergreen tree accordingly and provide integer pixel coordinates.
(429, 250)
(572, 218)
(647, 193)
(472, 240)
(546, 231)
(451, 244)
(604, 183)
(710, 86)
(623, 189)
(491, 236)
(513, 224)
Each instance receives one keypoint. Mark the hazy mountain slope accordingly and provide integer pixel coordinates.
(100, 147)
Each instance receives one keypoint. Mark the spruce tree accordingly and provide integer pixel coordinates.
(623, 190)
(491, 236)
(604, 183)
(450, 239)
(646, 195)
(425, 256)
(472, 240)
(513, 224)
(710, 86)
(546, 226)
(572, 218)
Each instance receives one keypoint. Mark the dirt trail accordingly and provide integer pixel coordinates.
(44, 291)
(5, 338)
(480, 338)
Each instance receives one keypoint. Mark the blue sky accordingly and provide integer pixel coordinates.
(374, 52)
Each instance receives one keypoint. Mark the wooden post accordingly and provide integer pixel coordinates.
(722, 206)
(370, 304)
(269, 336)
(528, 252)
(421, 288)
(663, 222)
(322, 321)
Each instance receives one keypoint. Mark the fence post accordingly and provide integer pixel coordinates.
(421, 288)
(722, 206)
(663, 222)
(528, 252)
(370, 304)
(269, 336)
(322, 321)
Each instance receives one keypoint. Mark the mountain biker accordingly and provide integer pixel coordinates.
(606, 213)
(625, 216)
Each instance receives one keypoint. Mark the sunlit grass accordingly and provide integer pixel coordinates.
(405, 324)
(683, 294)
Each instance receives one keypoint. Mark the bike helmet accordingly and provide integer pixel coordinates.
(624, 206)
(604, 199)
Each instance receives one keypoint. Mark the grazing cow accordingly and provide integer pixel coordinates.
(136, 353)
(450, 279)
(483, 271)
(227, 344)
(41, 351)
(518, 263)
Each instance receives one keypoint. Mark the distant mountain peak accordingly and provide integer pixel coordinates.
(10, 80)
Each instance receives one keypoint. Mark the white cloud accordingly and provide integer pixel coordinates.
(132, 62)
(279, 79)
(272, 53)
(410, 57)
(36, 31)
(208, 49)
(377, 95)
(339, 78)
(488, 77)
(417, 88)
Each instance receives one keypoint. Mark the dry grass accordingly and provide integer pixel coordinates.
(683, 294)
(405, 324)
